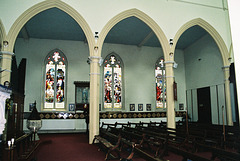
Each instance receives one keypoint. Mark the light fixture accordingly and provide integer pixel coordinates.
(171, 54)
(96, 49)
(171, 42)
(6, 84)
(96, 36)
(89, 60)
(100, 61)
(175, 65)
(5, 43)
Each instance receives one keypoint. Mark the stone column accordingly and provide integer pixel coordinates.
(227, 94)
(170, 96)
(6, 63)
(94, 97)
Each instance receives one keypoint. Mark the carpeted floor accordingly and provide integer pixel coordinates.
(75, 147)
(67, 147)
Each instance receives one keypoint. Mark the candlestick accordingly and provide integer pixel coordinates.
(9, 144)
(12, 141)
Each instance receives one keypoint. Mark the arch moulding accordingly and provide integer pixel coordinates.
(215, 35)
(2, 34)
(34, 10)
(142, 16)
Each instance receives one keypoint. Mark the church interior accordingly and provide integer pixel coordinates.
(131, 80)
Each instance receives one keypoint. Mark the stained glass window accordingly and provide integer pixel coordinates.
(160, 84)
(55, 76)
(112, 82)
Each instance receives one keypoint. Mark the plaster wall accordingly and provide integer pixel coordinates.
(170, 15)
(203, 68)
(203, 64)
(139, 82)
(139, 74)
(139, 64)
(35, 50)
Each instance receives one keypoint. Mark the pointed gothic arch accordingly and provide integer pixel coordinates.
(42, 6)
(224, 55)
(143, 17)
(211, 30)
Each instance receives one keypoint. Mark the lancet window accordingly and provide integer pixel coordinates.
(160, 80)
(113, 68)
(55, 79)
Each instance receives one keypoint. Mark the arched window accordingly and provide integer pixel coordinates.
(112, 81)
(55, 79)
(160, 84)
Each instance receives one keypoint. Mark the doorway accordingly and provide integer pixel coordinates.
(204, 105)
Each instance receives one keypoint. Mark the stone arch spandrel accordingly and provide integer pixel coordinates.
(34, 10)
(142, 16)
(211, 30)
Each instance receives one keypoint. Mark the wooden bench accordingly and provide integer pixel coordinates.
(168, 144)
(185, 154)
(219, 153)
(171, 140)
(112, 151)
(129, 142)
(177, 141)
(150, 139)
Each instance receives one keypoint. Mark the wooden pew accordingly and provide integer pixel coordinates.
(170, 144)
(108, 147)
(137, 150)
(153, 140)
(185, 154)
(176, 142)
(219, 153)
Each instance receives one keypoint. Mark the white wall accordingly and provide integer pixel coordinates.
(139, 64)
(139, 79)
(170, 15)
(179, 74)
(139, 76)
(235, 25)
(203, 68)
(35, 50)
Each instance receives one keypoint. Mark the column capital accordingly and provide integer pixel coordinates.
(169, 62)
(6, 53)
(98, 58)
(226, 68)
(95, 57)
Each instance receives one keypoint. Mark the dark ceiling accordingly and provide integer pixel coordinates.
(57, 25)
